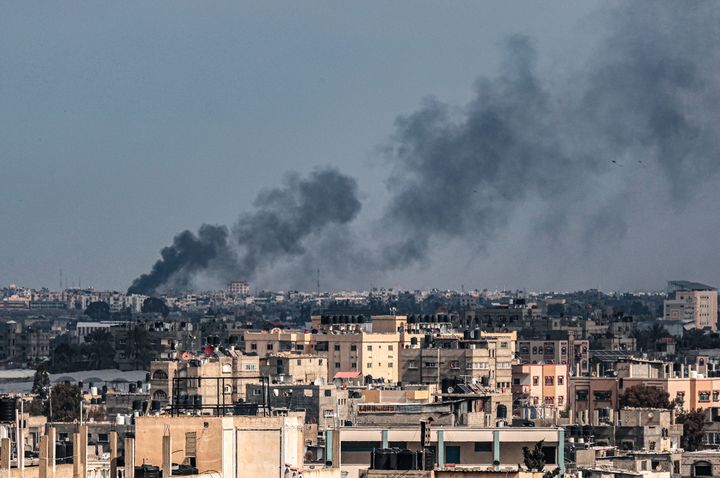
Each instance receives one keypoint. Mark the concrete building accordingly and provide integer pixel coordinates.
(692, 301)
(321, 404)
(207, 382)
(648, 429)
(292, 368)
(574, 353)
(498, 449)
(540, 390)
(486, 361)
(237, 447)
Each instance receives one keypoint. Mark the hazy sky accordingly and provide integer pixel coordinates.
(123, 123)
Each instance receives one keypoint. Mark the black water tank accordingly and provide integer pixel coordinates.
(7, 409)
(132, 388)
(246, 409)
(147, 471)
(381, 458)
(155, 405)
(406, 460)
(137, 404)
(429, 462)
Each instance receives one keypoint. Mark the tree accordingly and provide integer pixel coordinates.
(41, 382)
(154, 305)
(693, 425)
(65, 399)
(640, 396)
(139, 348)
(99, 350)
(534, 459)
(98, 310)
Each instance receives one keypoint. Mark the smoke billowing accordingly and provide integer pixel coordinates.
(635, 120)
(283, 217)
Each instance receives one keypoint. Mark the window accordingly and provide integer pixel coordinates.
(549, 400)
(503, 345)
(516, 381)
(412, 364)
(337, 365)
(704, 396)
(353, 365)
(581, 395)
(536, 381)
(702, 468)
(535, 350)
(390, 365)
(454, 364)
(159, 395)
(716, 395)
(353, 348)
(328, 393)
(369, 365)
(561, 400)
(253, 346)
(299, 362)
(159, 375)
(390, 347)
(549, 380)
(483, 446)
(269, 346)
(652, 446)
(337, 348)
(369, 348)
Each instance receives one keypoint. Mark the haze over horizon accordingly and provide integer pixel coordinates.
(561, 145)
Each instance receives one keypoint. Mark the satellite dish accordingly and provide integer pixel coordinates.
(450, 390)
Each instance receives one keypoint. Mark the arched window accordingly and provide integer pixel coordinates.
(159, 375)
(501, 411)
(702, 468)
(159, 395)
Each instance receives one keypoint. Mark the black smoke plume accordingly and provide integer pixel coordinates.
(282, 219)
(635, 118)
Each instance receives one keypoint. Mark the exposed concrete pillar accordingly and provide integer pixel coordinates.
(166, 456)
(129, 470)
(76, 455)
(561, 452)
(385, 441)
(496, 450)
(83, 450)
(44, 471)
(441, 449)
(52, 439)
(5, 458)
(113, 454)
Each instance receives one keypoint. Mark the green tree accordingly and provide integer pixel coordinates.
(65, 400)
(640, 396)
(41, 382)
(98, 310)
(99, 350)
(693, 429)
(139, 348)
(534, 459)
(155, 305)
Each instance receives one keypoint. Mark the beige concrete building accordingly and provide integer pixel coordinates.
(292, 368)
(487, 361)
(371, 354)
(266, 343)
(236, 447)
(694, 302)
(213, 381)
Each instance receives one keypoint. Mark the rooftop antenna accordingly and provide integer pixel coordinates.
(318, 281)
(61, 282)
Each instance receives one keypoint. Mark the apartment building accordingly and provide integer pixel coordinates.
(694, 302)
(271, 342)
(540, 390)
(25, 343)
(575, 353)
(486, 361)
(218, 380)
(372, 354)
(292, 368)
